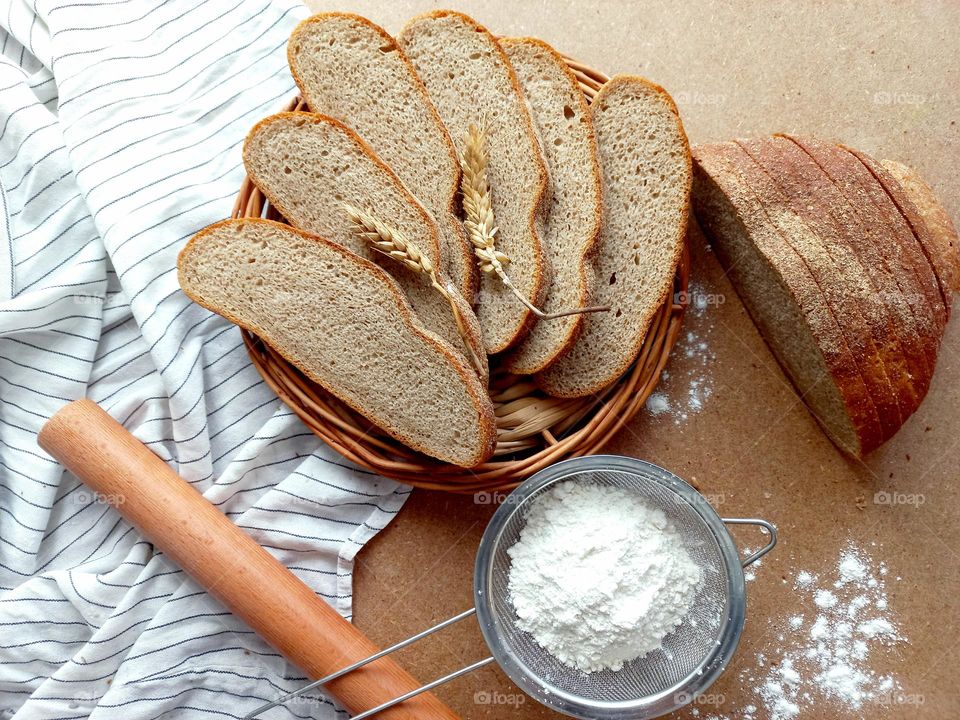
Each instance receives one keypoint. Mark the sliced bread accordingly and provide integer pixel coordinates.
(939, 255)
(352, 70)
(784, 300)
(309, 165)
(346, 325)
(569, 224)
(824, 211)
(946, 247)
(645, 164)
(904, 280)
(817, 242)
(470, 81)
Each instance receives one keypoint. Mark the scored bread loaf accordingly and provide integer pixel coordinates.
(645, 164)
(470, 81)
(570, 221)
(309, 166)
(350, 69)
(783, 298)
(936, 256)
(796, 191)
(945, 248)
(893, 259)
(346, 325)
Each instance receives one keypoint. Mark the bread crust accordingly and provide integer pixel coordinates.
(549, 379)
(827, 257)
(465, 258)
(482, 404)
(590, 248)
(722, 162)
(540, 273)
(895, 262)
(826, 211)
(471, 325)
(938, 221)
(918, 225)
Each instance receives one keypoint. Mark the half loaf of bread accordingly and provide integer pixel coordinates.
(838, 268)
(346, 325)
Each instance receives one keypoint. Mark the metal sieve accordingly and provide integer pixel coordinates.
(690, 658)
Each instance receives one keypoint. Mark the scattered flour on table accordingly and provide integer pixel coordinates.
(829, 649)
(685, 390)
(598, 577)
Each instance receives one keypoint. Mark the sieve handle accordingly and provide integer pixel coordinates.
(768, 526)
(376, 656)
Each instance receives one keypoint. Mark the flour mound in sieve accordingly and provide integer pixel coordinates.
(598, 576)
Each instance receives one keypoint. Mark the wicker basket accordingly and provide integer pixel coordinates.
(534, 430)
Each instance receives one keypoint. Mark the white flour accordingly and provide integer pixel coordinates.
(829, 648)
(598, 577)
(685, 390)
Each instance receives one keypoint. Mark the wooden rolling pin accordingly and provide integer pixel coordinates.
(226, 561)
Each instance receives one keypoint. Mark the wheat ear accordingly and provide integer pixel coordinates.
(480, 225)
(392, 243)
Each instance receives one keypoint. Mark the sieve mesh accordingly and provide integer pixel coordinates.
(660, 677)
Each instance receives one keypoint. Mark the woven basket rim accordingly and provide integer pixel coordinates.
(582, 427)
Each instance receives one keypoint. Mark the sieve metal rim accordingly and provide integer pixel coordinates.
(698, 680)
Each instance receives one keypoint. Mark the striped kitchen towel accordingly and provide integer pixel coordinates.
(121, 123)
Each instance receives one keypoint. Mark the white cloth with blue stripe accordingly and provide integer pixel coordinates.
(121, 123)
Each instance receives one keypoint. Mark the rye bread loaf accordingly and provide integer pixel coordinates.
(569, 223)
(352, 70)
(346, 325)
(309, 165)
(470, 81)
(816, 239)
(939, 256)
(946, 247)
(783, 298)
(904, 280)
(827, 213)
(645, 165)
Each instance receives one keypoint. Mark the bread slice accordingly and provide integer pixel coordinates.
(352, 70)
(645, 161)
(309, 165)
(570, 222)
(939, 256)
(780, 293)
(904, 280)
(945, 251)
(469, 80)
(346, 325)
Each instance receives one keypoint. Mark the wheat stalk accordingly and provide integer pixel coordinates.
(481, 227)
(392, 243)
